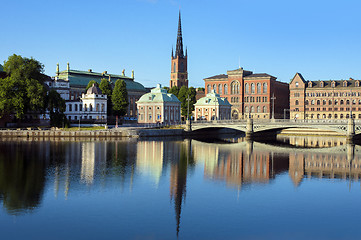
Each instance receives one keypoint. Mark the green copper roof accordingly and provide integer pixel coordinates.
(82, 78)
(212, 99)
(158, 95)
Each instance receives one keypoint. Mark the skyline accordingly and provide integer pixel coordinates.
(280, 38)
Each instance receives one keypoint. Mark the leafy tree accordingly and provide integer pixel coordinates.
(23, 89)
(182, 96)
(192, 95)
(90, 84)
(106, 88)
(56, 107)
(120, 99)
(174, 90)
(201, 89)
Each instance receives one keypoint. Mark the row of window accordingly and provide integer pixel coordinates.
(323, 116)
(331, 109)
(330, 94)
(333, 84)
(235, 88)
(70, 108)
(258, 109)
(258, 99)
(330, 102)
(85, 117)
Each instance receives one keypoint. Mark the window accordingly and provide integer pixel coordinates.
(341, 102)
(85, 107)
(252, 87)
(296, 102)
(225, 89)
(208, 88)
(345, 84)
(76, 107)
(264, 109)
(103, 107)
(246, 88)
(264, 87)
(174, 67)
(318, 102)
(90, 107)
(97, 107)
(182, 67)
(70, 107)
(258, 108)
(215, 87)
(296, 84)
(258, 88)
(220, 88)
(252, 109)
(235, 87)
(246, 109)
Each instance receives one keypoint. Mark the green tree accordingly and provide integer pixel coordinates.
(120, 99)
(23, 89)
(106, 88)
(182, 96)
(56, 107)
(90, 84)
(174, 90)
(192, 95)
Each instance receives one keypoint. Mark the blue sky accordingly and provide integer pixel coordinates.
(320, 39)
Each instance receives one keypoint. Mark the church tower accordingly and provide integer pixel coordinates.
(179, 74)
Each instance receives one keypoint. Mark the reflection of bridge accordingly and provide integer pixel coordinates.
(348, 128)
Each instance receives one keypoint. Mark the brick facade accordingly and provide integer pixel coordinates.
(250, 93)
(330, 99)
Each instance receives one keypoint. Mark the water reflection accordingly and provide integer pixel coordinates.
(29, 168)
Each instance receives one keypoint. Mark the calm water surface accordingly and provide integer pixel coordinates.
(298, 188)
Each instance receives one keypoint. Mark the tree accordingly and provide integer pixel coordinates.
(56, 107)
(120, 99)
(192, 95)
(107, 90)
(23, 89)
(182, 97)
(90, 84)
(174, 90)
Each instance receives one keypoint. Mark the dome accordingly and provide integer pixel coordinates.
(94, 90)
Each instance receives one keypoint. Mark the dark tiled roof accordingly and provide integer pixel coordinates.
(218, 76)
(328, 83)
(257, 75)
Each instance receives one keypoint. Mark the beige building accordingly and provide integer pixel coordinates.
(159, 106)
(212, 107)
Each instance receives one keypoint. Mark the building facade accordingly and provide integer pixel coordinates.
(324, 99)
(258, 95)
(78, 81)
(179, 72)
(212, 107)
(159, 106)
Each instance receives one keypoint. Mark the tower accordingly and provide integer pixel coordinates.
(179, 74)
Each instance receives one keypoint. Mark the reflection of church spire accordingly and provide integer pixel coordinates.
(178, 184)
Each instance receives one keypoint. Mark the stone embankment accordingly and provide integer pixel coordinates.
(121, 132)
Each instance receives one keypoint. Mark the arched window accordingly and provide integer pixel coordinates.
(252, 88)
(225, 89)
(258, 88)
(341, 102)
(296, 102)
(97, 107)
(258, 108)
(264, 87)
(246, 109)
(246, 88)
(174, 67)
(235, 87)
(347, 102)
(252, 109)
(336, 102)
(220, 88)
(90, 107)
(318, 102)
(85, 107)
(312, 102)
(324, 102)
(215, 87)
(329, 102)
(208, 88)
(103, 107)
(264, 109)
(306, 102)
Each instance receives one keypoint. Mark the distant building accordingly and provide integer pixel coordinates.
(91, 107)
(324, 99)
(199, 94)
(78, 81)
(251, 94)
(179, 72)
(212, 107)
(159, 106)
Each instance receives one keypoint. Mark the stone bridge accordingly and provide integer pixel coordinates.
(348, 128)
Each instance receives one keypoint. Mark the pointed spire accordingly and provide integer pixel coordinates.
(172, 52)
(179, 48)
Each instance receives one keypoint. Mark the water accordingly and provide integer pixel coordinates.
(297, 188)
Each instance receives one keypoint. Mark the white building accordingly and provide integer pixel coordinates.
(212, 107)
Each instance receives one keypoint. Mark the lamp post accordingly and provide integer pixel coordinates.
(273, 105)
(188, 99)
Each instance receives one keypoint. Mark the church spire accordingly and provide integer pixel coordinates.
(179, 47)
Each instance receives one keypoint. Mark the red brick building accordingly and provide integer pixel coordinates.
(179, 72)
(324, 99)
(251, 93)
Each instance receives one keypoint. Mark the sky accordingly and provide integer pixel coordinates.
(320, 39)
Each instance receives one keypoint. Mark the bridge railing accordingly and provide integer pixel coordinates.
(278, 121)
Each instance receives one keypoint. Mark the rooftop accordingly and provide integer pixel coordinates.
(212, 99)
(158, 95)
